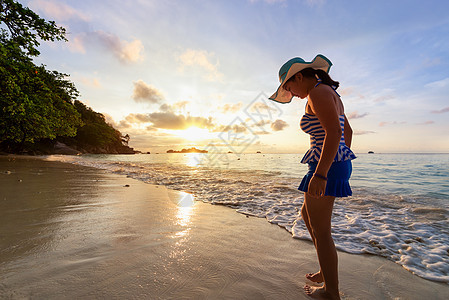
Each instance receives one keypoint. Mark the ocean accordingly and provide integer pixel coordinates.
(399, 209)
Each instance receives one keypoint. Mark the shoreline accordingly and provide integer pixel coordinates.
(70, 231)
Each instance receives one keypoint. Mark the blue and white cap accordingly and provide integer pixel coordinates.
(293, 66)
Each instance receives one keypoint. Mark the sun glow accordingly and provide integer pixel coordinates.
(194, 134)
(194, 159)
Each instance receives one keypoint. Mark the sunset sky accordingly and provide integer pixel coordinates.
(177, 74)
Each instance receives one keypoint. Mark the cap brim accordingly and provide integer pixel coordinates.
(281, 95)
(320, 62)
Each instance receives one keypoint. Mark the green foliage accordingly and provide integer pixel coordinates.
(34, 103)
(95, 130)
(37, 104)
(26, 27)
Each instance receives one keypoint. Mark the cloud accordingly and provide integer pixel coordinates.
(125, 51)
(426, 123)
(165, 107)
(109, 119)
(138, 118)
(201, 59)
(178, 106)
(384, 98)
(315, 2)
(146, 93)
(310, 3)
(261, 132)
(235, 128)
(170, 120)
(231, 107)
(362, 132)
(163, 121)
(278, 125)
(382, 124)
(123, 125)
(346, 91)
(356, 115)
(269, 1)
(151, 128)
(261, 123)
(131, 51)
(261, 106)
(439, 84)
(91, 82)
(56, 10)
(181, 105)
(120, 126)
(76, 44)
(167, 118)
(441, 111)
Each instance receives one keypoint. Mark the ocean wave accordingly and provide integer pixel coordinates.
(399, 227)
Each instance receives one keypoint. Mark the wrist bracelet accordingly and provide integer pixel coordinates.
(320, 176)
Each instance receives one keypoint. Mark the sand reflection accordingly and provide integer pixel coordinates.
(186, 209)
(186, 206)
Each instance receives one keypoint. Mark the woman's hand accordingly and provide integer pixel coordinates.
(317, 186)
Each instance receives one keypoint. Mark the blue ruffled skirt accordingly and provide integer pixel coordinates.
(337, 179)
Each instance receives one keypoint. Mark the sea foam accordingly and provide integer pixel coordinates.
(398, 221)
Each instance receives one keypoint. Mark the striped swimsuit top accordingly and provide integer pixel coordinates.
(312, 126)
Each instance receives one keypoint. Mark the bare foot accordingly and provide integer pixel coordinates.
(315, 277)
(316, 292)
(319, 293)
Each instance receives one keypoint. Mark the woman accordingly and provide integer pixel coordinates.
(329, 159)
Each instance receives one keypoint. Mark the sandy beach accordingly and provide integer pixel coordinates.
(71, 232)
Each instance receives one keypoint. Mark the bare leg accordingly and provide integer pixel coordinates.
(305, 217)
(314, 277)
(319, 211)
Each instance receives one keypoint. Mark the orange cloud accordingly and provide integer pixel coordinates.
(125, 51)
(146, 93)
(426, 123)
(381, 124)
(356, 115)
(362, 132)
(278, 125)
(57, 10)
(170, 120)
(231, 107)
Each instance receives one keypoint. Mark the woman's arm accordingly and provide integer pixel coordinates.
(348, 133)
(323, 106)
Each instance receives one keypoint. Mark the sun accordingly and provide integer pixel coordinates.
(194, 133)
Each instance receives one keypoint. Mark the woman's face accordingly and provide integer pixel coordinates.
(296, 86)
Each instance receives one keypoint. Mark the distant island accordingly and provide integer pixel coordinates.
(190, 150)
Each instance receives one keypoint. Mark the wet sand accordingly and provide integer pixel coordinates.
(70, 232)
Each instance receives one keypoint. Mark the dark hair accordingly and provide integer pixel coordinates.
(325, 78)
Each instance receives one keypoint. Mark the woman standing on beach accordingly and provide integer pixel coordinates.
(329, 159)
